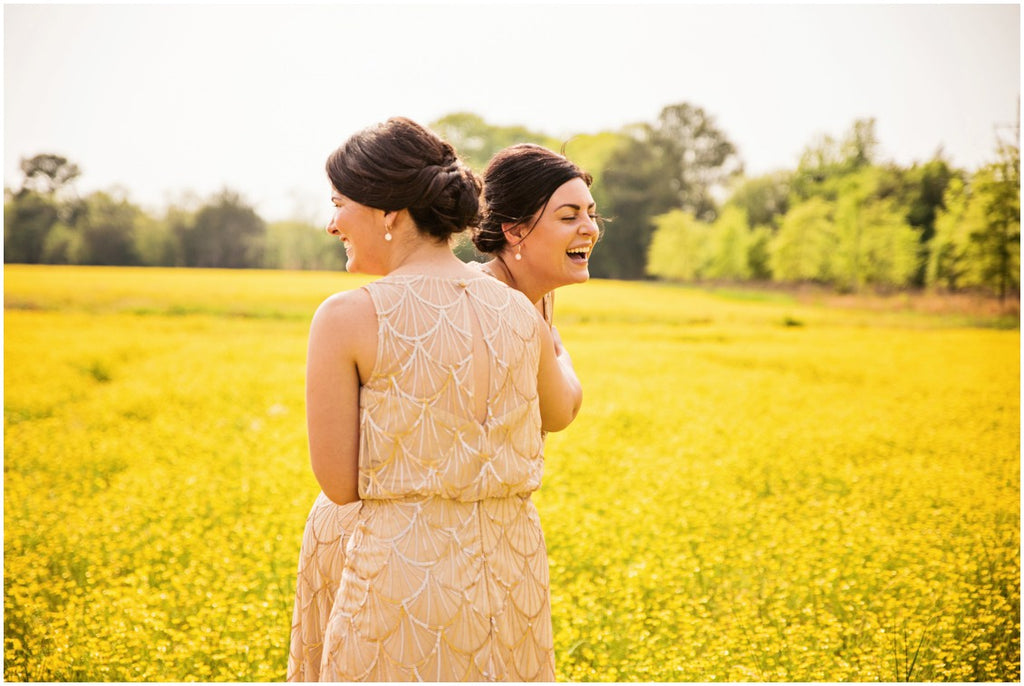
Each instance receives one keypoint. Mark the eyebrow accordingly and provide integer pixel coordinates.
(574, 206)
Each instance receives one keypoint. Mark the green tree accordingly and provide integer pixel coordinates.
(107, 228)
(827, 159)
(759, 253)
(820, 163)
(678, 247)
(637, 188)
(592, 153)
(875, 244)
(48, 174)
(683, 161)
(226, 232)
(802, 250)
(859, 147)
(29, 216)
(892, 251)
(924, 187)
(977, 232)
(880, 247)
(764, 199)
(728, 248)
(477, 141)
(700, 159)
(300, 245)
(64, 245)
(180, 220)
(156, 243)
(995, 238)
(949, 247)
(918, 191)
(36, 207)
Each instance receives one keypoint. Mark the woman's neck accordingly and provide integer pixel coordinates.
(425, 257)
(517, 277)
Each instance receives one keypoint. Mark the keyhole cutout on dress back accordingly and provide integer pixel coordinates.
(481, 365)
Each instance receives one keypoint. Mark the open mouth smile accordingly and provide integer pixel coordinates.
(580, 255)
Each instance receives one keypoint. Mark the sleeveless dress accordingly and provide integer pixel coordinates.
(443, 574)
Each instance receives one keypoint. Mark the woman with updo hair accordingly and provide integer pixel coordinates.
(540, 224)
(427, 392)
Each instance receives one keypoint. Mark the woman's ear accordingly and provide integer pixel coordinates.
(514, 232)
(396, 218)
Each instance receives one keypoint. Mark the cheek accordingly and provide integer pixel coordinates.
(554, 237)
(339, 219)
(563, 239)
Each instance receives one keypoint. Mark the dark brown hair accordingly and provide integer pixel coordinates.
(518, 182)
(398, 165)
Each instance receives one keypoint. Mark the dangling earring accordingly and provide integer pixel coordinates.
(519, 250)
(387, 234)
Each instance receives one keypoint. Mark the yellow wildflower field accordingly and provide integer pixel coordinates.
(755, 489)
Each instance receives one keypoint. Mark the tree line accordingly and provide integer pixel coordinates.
(678, 207)
(46, 222)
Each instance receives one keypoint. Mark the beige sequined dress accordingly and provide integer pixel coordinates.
(439, 572)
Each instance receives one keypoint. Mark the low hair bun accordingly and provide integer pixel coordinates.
(398, 165)
(450, 201)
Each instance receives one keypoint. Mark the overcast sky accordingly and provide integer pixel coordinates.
(164, 99)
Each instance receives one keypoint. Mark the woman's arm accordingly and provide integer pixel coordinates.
(558, 388)
(565, 362)
(338, 338)
(546, 306)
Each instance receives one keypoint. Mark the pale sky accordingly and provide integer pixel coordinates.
(167, 99)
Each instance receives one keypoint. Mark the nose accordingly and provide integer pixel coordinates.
(589, 227)
(331, 228)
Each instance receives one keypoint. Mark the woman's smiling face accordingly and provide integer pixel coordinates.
(361, 229)
(556, 250)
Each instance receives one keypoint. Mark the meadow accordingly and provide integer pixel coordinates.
(756, 489)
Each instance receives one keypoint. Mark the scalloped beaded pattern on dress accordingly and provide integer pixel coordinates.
(440, 572)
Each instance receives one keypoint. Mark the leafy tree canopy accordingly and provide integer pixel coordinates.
(48, 173)
(477, 141)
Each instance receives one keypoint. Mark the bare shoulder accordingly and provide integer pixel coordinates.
(345, 328)
(345, 306)
(344, 314)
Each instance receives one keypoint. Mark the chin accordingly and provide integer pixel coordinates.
(354, 266)
(579, 276)
(571, 273)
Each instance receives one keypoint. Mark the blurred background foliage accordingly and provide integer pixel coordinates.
(678, 203)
